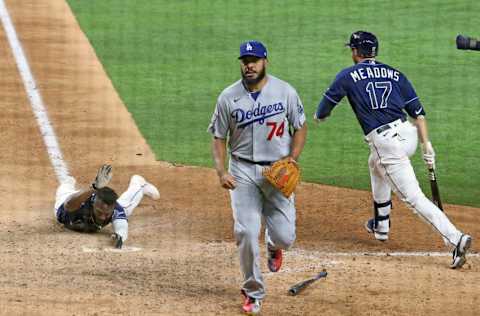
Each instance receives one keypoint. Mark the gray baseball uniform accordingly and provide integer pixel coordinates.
(258, 128)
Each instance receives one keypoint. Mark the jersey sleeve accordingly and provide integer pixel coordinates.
(324, 108)
(296, 113)
(119, 212)
(219, 123)
(412, 103)
(62, 214)
(331, 97)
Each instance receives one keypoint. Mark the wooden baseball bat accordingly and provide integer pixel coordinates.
(434, 186)
(297, 288)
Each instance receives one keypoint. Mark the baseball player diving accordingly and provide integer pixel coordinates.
(89, 210)
(262, 119)
(381, 98)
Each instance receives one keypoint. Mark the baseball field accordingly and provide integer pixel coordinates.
(134, 83)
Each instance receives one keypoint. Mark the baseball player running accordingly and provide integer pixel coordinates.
(263, 119)
(380, 95)
(91, 209)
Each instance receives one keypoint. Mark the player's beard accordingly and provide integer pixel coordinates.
(254, 81)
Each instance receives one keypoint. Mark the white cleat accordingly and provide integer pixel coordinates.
(370, 227)
(148, 189)
(151, 191)
(459, 253)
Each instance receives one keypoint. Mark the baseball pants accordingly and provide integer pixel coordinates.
(390, 169)
(252, 199)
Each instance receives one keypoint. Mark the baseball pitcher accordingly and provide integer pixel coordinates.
(91, 209)
(262, 119)
(382, 97)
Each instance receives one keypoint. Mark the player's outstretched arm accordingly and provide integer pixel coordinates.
(120, 235)
(323, 111)
(422, 129)
(103, 177)
(77, 199)
(427, 148)
(219, 153)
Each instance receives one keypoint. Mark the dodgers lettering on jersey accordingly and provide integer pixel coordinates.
(259, 114)
(258, 126)
(378, 94)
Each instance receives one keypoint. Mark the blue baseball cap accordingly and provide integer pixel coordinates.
(253, 48)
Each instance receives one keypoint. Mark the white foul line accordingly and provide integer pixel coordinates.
(395, 254)
(46, 129)
(320, 254)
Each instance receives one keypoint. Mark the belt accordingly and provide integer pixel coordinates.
(261, 163)
(385, 127)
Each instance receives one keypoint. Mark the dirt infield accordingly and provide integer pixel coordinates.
(181, 257)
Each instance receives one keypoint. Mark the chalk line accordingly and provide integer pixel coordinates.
(33, 94)
(318, 254)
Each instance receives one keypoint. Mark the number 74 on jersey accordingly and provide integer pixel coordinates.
(277, 129)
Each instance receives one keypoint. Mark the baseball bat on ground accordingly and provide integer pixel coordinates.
(297, 288)
(434, 186)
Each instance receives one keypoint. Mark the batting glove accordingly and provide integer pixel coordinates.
(104, 175)
(428, 155)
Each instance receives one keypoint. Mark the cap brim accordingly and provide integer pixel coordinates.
(251, 55)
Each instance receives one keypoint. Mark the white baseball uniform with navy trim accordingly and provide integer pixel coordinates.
(124, 206)
(381, 97)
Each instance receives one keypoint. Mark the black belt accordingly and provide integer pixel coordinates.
(383, 128)
(261, 163)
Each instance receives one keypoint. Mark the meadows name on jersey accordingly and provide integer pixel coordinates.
(374, 73)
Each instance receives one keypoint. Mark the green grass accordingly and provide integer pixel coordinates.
(169, 60)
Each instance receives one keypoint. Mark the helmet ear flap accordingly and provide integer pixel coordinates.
(370, 51)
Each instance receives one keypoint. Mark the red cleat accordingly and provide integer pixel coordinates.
(274, 259)
(251, 306)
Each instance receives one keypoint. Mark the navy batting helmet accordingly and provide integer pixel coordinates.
(366, 43)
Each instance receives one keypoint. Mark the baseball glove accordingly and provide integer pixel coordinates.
(284, 175)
